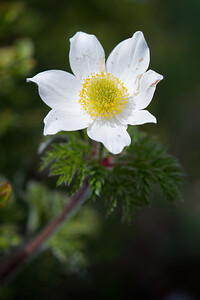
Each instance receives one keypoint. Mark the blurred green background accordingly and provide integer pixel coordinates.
(157, 256)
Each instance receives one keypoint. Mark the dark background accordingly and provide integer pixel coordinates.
(157, 256)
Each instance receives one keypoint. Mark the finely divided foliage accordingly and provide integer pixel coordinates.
(124, 181)
(67, 160)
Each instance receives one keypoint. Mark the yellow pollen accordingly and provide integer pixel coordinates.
(103, 95)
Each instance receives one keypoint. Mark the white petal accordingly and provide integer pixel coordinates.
(59, 120)
(58, 89)
(86, 55)
(114, 137)
(126, 112)
(145, 89)
(129, 59)
(140, 117)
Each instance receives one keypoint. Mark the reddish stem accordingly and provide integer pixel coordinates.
(95, 149)
(11, 264)
(107, 162)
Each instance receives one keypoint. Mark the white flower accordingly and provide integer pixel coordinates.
(104, 98)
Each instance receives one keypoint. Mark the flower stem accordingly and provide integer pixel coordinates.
(13, 263)
(95, 149)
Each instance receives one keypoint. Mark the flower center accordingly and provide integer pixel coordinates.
(103, 95)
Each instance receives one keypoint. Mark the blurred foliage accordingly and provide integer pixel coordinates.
(16, 63)
(16, 51)
(42, 204)
(5, 193)
(8, 238)
(159, 251)
(69, 243)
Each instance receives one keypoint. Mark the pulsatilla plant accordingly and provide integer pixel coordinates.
(92, 153)
(99, 101)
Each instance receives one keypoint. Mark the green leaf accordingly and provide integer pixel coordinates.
(126, 181)
(67, 161)
(129, 182)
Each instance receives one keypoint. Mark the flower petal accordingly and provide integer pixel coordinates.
(146, 88)
(114, 137)
(140, 117)
(58, 89)
(59, 120)
(129, 59)
(86, 55)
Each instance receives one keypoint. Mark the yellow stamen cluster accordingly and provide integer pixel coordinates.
(103, 95)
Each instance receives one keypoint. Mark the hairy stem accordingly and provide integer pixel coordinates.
(13, 263)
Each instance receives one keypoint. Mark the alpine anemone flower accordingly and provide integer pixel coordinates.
(102, 97)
